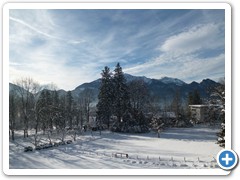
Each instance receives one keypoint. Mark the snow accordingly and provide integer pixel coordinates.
(168, 80)
(130, 78)
(177, 148)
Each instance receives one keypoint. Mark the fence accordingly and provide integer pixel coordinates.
(153, 162)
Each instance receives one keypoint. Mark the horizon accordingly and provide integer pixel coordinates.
(58, 89)
(71, 47)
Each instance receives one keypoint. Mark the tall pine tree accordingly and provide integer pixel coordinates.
(121, 102)
(220, 92)
(105, 97)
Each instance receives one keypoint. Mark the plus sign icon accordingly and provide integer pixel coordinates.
(227, 159)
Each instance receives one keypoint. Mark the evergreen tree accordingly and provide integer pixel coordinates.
(86, 99)
(121, 98)
(49, 103)
(190, 98)
(217, 95)
(55, 107)
(62, 117)
(221, 135)
(220, 93)
(105, 98)
(138, 95)
(69, 109)
(55, 98)
(80, 110)
(44, 110)
(194, 98)
(176, 104)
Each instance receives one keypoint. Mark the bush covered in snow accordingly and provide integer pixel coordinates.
(28, 148)
(221, 136)
(124, 127)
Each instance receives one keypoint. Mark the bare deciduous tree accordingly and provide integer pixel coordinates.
(27, 89)
(13, 103)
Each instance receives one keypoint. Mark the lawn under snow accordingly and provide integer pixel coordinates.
(176, 148)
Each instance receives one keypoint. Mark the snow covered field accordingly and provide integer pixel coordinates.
(176, 148)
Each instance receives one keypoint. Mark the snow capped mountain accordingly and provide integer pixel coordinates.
(169, 80)
(164, 87)
(96, 84)
(165, 80)
(130, 78)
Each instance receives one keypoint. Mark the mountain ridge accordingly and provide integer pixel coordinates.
(165, 88)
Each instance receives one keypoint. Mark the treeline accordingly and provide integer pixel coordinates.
(122, 107)
(32, 106)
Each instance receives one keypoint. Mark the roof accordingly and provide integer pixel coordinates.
(167, 114)
(204, 105)
(199, 105)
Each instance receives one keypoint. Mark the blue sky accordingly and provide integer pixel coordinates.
(70, 47)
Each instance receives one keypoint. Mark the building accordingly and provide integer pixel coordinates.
(205, 113)
(199, 113)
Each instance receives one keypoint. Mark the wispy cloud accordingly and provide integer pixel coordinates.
(34, 29)
(203, 36)
(70, 47)
(179, 55)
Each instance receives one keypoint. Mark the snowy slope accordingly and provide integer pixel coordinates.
(130, 78)
(168, 80)
(177, 148)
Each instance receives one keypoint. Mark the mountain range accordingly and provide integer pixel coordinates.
(164, 88)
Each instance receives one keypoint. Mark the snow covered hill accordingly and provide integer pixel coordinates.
(179, 148)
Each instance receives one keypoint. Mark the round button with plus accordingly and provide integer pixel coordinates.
(227, 159)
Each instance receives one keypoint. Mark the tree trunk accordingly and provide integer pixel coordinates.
(108, 123)
(24, 133)
(36, 130)
(158, 133)
(35, 139)
(75, 135)
(88, 114)
(49, 137)
(13, 137)
(119, 118)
